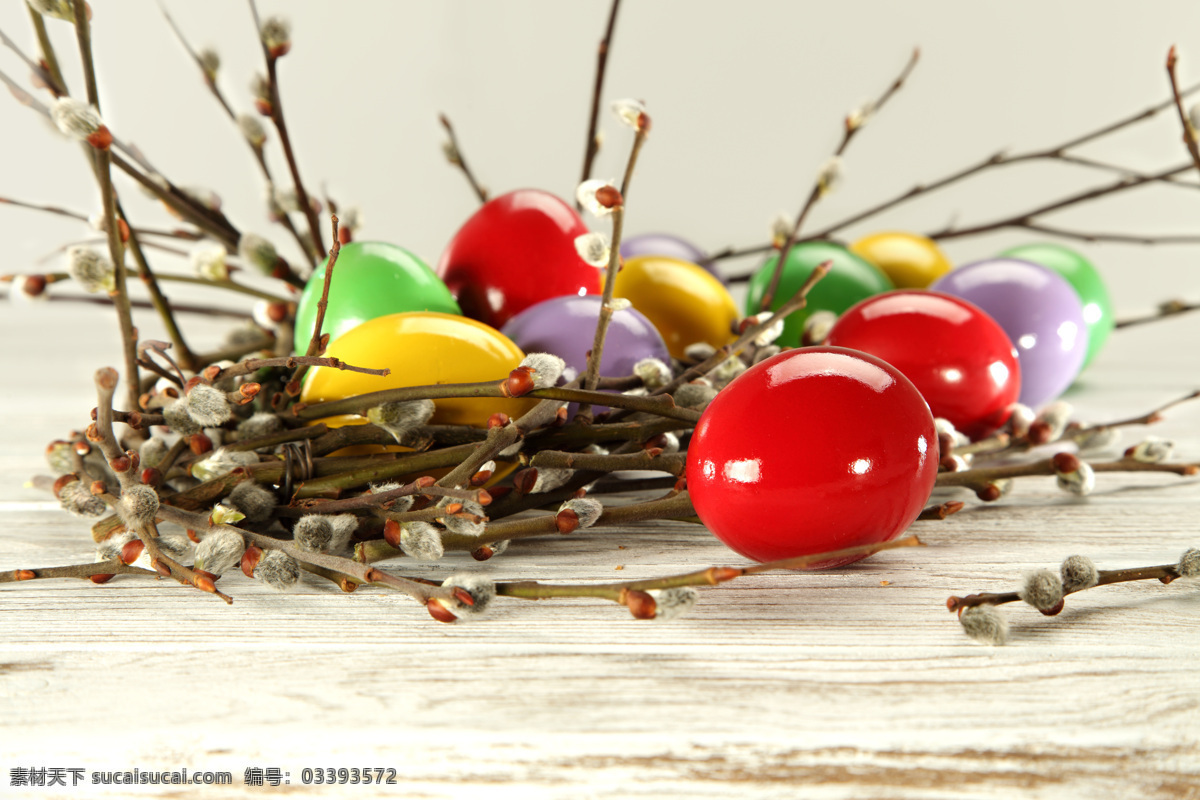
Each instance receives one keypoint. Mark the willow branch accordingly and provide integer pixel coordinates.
(1189, 133)
(455, 156)
(592, 146)
(819, 189)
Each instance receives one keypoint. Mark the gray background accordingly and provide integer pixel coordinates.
(747, 100)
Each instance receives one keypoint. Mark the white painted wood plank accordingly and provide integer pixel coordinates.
(831, 682)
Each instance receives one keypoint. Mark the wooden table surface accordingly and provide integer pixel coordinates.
(852, 683)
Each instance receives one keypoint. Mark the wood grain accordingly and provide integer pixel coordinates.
(855, 683)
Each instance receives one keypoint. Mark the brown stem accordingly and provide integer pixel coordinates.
(592, 373)
(460, 161)
(106, 384)
(662, 406)
(592, 147)
(849, 129)
(291, 362)
(86, 570)
(981, 477)
(1189, 134)
(941, 510)
(1023, 218)
(47, 50)
(120, 292)
(1164, 573)
(1170, 308)
(712, 576)
(674, 463)
(358, 573)
(1106, 236)
(285, 141)
(996, 160)
(314, 341)
(259, 156)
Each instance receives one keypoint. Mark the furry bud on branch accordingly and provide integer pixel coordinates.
(80, 121)
(92, 271)
(1044, 591)
(401, 418)
(220, 551)
(985, 624)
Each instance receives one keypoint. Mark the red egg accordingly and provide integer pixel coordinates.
(516, 250)
(813, 450)
(958, 357)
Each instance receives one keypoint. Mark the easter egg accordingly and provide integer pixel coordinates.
(566, 327)
(958, 357)
(518, 249)
(850, 280)
(910, 261)
(1038, 310)
(1084, 279)
(685, 303)
(370, 279)
(421, 348)
(812, 450)
(665, 244)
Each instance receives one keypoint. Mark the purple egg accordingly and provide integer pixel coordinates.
(1038, 310)
(566, 327)
(664, 244)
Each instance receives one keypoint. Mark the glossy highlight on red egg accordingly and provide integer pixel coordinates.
(517, 250)
(813, 450)
(958, 357)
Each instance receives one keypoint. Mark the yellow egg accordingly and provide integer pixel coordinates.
(912, 261)
(420, 348)
(684, 301)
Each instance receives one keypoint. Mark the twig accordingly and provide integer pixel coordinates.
(1164, 573)
(819, 189)
(101, 432)
(354, 571)
(47, 50)
(285, 141)
(1189, 133)
(592, 147)
(257, 149)
(1023, 218)
(662, 406)
(1106, 236)
(998, 159)
(674, 463)
(713, 576)
(291, 362)
(86, 570)
(982, 476)
(120, 292)
(1170, 308)
(455, 156)
(315, 346)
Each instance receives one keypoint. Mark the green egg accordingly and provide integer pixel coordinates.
(850, 280)
(1084, 279)
(370, 279)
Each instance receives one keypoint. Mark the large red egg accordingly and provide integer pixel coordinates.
(958, 357)
(516, 250)
(813, 450)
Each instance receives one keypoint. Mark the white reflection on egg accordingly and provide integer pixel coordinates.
(952, 375)
(1027, 341)
(746, 470)
(861, 466)
(709, 469)
(998, 370)
(1092, 313)
(1067, 333)
(923, 449)
(495, 298)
